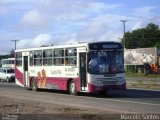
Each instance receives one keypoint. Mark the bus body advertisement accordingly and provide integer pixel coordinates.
(86, 67)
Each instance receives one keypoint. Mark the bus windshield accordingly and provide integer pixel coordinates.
(101, 62)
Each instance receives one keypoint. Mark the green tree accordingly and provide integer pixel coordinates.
(157, 45)
(142, 38)
(11, 53)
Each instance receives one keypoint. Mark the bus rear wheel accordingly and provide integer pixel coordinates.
(34, 86)
(72, 88)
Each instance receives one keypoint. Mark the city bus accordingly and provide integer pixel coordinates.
(85, 67)
(8, 62)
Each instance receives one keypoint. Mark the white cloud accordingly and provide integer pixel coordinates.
(42, 39)
(70, 21)
(16, 1)
(50, 12)
(39, 40)
(93, 31)
(16, 6)
(58, 11)
(137, 25)
(145, 11)
(8, 1)
(3, 9)
(99, 29)
(35, 20)
(102, 7)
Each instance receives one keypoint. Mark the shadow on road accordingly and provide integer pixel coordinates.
(130, 93)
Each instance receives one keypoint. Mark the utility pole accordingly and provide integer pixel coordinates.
(15, 42)
(124, 30)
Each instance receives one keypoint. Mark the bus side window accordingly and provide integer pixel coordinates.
(71, 56)
(47, 57)
(66, 61)
(38, 58)
(58, 57)
(31, 58)
(19, 59)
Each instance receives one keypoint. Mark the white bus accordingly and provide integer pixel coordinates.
(85, 67)
(8, 62)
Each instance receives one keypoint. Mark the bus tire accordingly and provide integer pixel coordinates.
(72, 88)
(103, 93)
(34, 86)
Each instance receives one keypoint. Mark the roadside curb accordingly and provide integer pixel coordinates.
(144, 89)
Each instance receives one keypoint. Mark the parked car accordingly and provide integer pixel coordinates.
(7, 74)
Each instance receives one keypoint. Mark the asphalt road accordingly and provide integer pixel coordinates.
(126, 101)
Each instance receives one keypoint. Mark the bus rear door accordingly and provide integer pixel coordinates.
(25, 57)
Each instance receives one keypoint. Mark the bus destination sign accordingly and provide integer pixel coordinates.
(104, 46)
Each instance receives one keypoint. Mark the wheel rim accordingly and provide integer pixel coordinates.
(34, 86)
(73, 87)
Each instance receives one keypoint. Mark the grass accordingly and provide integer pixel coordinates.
(131, 74)
(140, 80)
(144, 86)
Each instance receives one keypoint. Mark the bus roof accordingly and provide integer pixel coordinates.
(8, 59)
(52, 47)
(81, 44)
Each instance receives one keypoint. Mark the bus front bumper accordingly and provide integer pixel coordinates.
(98, 89)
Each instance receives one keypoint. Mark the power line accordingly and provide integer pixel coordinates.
(15, 42)
(124, 30)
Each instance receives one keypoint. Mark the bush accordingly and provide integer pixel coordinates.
(131, 68)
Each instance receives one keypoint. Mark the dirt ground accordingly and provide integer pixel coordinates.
(12, 109)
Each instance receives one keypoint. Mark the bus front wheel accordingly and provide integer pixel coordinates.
(72, 88)
(34, 86)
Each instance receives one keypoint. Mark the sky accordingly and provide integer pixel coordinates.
(43, 22)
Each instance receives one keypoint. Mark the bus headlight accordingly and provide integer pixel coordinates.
(121, 81)
(97, 83)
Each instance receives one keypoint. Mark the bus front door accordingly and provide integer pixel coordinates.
(25, 69)
(83, 79)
